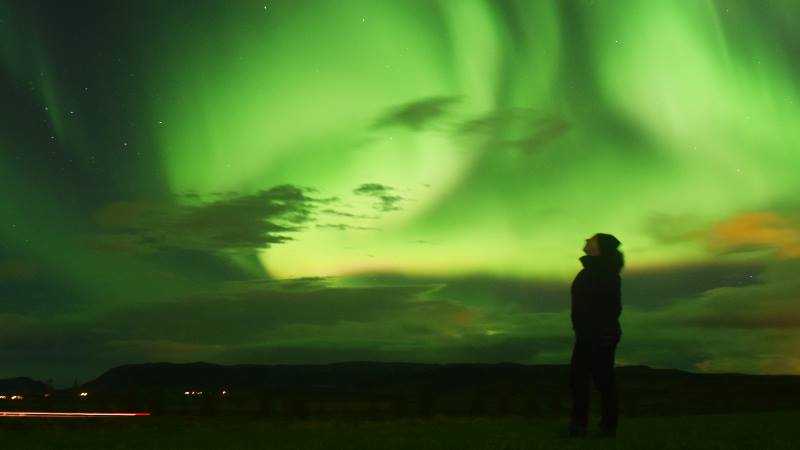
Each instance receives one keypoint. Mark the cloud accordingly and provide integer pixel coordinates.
(235, 222)
(507, 295)
(752, 231)
(768, 304)
(347, 214)
(775, 317)
(12, 269)
(643, 289)
(756, 230)
(669, 228)
(469, 349)
(525, 129)
(28, 287)
(657, 288)
(700, 317)
(234, 312)
(387, 200)
(46, 341)
(228, 222)
(418, 114)
(522, 128)
(344, 226)
(149, 350)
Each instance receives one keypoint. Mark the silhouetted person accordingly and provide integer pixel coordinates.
(596, 307)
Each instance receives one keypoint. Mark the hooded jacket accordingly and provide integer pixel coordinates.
(596, 298)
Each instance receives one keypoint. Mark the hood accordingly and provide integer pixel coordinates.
(599, 262)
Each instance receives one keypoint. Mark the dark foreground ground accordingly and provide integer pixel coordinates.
(757, 431)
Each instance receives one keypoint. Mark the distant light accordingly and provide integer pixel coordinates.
(84, 394)
(17, 397)
(186, 393)
(71, 414)
(224, 392)
(3, 397)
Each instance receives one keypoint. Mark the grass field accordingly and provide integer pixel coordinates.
(757, 431)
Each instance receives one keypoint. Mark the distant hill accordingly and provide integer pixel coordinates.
(23, 386)
(368, 375)
(475, 388)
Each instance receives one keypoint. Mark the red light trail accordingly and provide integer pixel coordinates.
(71, 414)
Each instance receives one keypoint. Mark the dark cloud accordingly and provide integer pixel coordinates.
(522, 128)
(229, 222)
(525, 129)
(290, 284)
(688, 317)
(643, 289)
(371, 189)
(234, 222)
(673, 350)
(38, 296)
(283, 353)
(670, 228)
(766, 304)
(471, 349)
(759, 319)
(387, 200)
(208, 267)
(543, 131)
(418, 114)
(508, 294)
(344, 226)
(656, 288)
(27, 287)
(42, 344)
(346, 214)
(485, 348)
(236, 312)
(17, 269)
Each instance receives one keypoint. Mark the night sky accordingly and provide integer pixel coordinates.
(312, 181)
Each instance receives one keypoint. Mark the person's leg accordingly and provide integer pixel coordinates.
(579, 377)
(604, 380)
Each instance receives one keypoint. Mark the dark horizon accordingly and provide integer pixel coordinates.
(369, 390)
(564, 366)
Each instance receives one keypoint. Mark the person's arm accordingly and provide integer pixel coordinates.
(584, 304)
(609, 301)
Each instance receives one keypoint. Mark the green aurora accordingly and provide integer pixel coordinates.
(314, 181)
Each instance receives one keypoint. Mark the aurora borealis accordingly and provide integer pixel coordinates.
(314, 181)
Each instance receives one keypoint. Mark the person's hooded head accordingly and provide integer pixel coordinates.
(605, 248)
